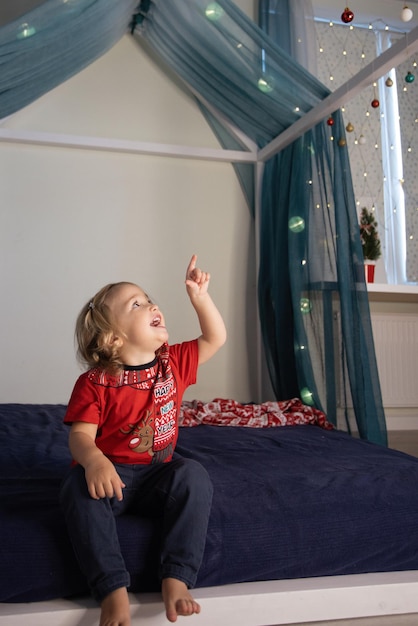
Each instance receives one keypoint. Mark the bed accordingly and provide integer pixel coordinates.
(308, 523)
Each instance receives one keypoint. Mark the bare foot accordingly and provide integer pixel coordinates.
(116, 609)
(177, 599)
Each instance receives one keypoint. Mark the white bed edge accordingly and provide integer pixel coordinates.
(247, 604)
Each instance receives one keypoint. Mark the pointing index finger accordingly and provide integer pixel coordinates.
(192, 265)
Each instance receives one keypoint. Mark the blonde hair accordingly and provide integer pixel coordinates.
(95, 333)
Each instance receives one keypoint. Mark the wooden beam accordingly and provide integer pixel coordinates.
(389, 59)
(125, 146)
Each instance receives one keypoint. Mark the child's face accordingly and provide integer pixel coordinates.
(139, 322)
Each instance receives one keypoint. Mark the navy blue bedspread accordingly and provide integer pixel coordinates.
(289, 502)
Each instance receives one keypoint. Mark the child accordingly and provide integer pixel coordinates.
(123, 414)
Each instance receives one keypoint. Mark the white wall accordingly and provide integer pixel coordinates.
(73, 220)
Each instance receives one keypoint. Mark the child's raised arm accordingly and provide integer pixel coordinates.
(211, 323)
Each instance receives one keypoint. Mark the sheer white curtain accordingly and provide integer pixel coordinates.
(394, 237)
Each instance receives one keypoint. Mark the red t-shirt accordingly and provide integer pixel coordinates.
(137, 411)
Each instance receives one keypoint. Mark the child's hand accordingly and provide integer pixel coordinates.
(213, 332)
(103, 480)
(197, 282)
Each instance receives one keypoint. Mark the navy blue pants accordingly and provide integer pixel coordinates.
(179, 491)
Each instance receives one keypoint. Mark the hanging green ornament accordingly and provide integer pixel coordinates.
(265, 84)
(214, 12)
(25, 31)
(306, 396)
(296, 224)
(409, 78)
(305, 306)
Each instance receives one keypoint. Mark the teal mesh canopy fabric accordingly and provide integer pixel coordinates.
(319, 264)
(313, 301)
(42, 48)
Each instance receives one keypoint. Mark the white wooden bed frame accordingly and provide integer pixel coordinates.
(247, 604)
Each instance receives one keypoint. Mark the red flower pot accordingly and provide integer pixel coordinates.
(369, 268)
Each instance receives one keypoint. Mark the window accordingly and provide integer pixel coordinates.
(382, 140)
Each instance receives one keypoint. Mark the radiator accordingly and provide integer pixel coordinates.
(396, 346)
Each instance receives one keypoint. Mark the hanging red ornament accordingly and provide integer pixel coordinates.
(347, 16)
(330, 121)
(375, 103)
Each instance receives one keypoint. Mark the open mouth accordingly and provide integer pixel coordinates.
(156, 321)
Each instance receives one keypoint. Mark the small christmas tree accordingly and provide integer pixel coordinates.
(369, 236)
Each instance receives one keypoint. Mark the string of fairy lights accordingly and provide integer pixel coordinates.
(343, 49)
(342, 54)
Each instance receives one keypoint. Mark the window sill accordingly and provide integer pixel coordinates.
(392, 293)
